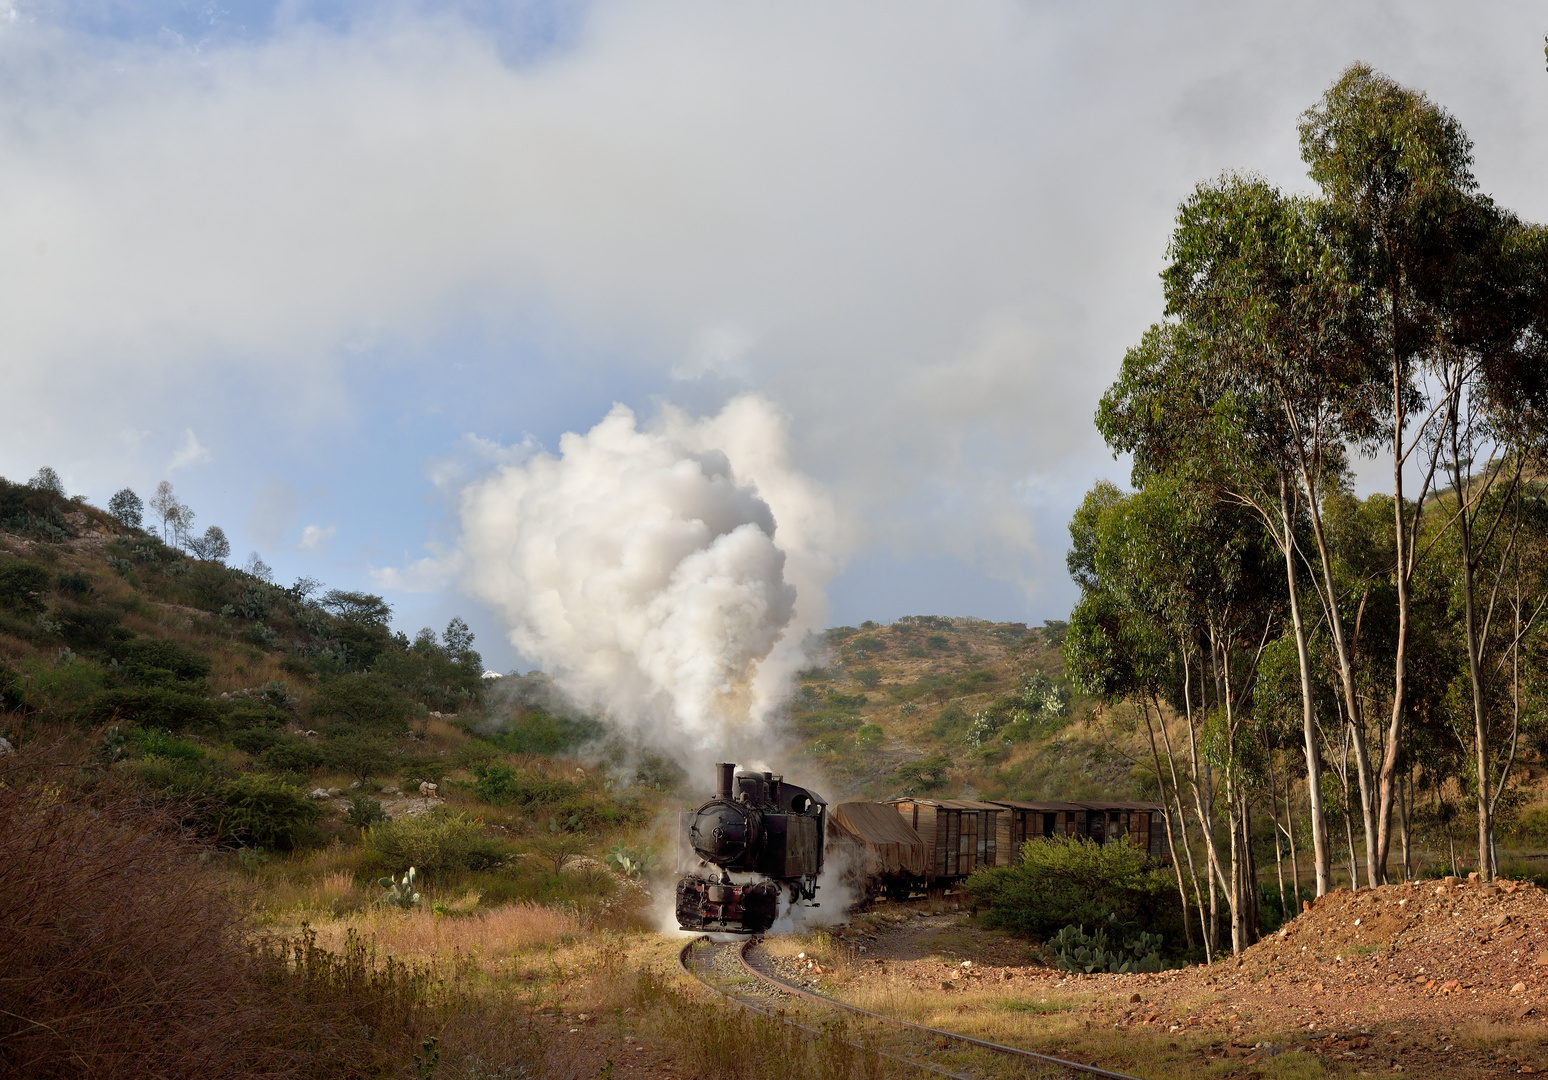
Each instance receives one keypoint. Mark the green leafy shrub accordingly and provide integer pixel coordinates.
(870, 678)
(260, 810)
(361, 756)
(364, 811)
(536, 732)
(90, 627)
(154, 743)
(161, 662)
(502, 785)
(154, 707)
(22, 586)
(364, 701)
(869, 737)
(255, 740)
(435, 842)
(1074, 882)
(916, 777)
(632, 863)
(292, 755)
(175, 777)
(74, 583)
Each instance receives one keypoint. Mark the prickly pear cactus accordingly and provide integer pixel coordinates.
(400, 891)
(632, 863)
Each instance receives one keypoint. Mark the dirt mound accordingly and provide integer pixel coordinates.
(1439, 937)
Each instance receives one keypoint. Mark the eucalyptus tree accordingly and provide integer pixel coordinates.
(1193, 567)
(1116, 650)
(1491, 370)
(1395, 172)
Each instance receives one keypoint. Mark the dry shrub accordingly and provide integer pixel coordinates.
(125, 957)
(119, 960)
(423, 935)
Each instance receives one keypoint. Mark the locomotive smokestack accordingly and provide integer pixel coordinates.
(725, 775)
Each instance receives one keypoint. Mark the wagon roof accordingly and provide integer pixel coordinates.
(1119, 804)
(1020, 804)
(950, 804)
(874, 823)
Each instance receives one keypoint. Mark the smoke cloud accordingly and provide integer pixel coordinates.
(665, 575)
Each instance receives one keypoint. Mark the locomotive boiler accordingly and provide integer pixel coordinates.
(758, 838)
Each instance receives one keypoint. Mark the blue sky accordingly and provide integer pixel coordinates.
(321, 265)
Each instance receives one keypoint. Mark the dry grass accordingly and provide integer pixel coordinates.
(120, 958)
(486, 937)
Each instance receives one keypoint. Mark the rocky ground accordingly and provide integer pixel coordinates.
(1436, 978)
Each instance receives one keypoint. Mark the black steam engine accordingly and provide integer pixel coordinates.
(757, 837)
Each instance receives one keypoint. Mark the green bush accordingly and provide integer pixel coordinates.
(159, 662)
(292, 755)
(536, 732)
(435, 843)
(916, 777)
(363, 700)
(364, 811)
(154, 743)
(361, 756)
(22, 586)
(74, 583)
(154, 707)
(259, 810)
(175, 777)
(1532, 826)
(255, 740)
(502, 785)
(1074, 882)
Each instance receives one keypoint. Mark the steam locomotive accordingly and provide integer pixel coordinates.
(757, 838)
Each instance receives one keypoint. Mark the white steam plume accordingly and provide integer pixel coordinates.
(664, 575)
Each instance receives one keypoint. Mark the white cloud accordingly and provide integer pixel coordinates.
(927, 231)
(430, 574)
(314, 536)
(189, 452)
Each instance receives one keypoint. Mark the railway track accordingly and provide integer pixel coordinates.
(915, 1046)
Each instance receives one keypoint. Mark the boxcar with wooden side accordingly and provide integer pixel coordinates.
(960, 835)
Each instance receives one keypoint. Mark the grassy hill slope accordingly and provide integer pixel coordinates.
(957, 707)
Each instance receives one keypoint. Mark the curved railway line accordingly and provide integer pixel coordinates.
(925, 1049)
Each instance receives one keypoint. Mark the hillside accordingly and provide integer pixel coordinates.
(957, 707)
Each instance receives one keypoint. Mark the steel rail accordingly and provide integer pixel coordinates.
(999, 1048)
(682, 962)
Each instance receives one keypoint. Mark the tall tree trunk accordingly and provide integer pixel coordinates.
(1279, 855)
(1404, 571)
(1375, 867)
(1166, 815)
(1182, 815)
(1404, 804)
(1322, 858)
(1295, 862)
(1203, 799)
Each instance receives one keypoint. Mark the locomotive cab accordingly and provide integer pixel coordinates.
(766, 832)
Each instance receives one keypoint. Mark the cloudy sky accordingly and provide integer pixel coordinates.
(323, 265)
